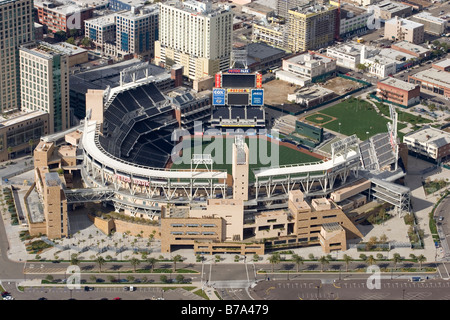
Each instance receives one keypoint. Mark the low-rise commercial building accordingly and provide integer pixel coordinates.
(432, 81)
(398, 91)
(272, 34)
(307, 68)
(347, 55)
(429, 142)
(353, 21)
(415, 50)
(387, 10)
(443, 65)
(21, 132)
(432, 24)
(261, 56)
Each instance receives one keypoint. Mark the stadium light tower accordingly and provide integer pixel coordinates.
(392, 130)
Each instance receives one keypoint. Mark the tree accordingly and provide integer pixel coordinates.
(71, 40)
(298, 260)
(323, 261)
(60, 36)
(396, 259)
(255, 257)
(74, 260)
(100, 262)
(31, 143)
(371, 260)
(135, 262)
(311, 256)
(361, 66)
(86, 42)
(347, 260)
(274, 259)
(10, 150)
(421, 260)
(180, 278)
(176, 259)
(163, 278)
(151, 261)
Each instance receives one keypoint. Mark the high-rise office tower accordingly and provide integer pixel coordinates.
(137, 31)
(311, 27)
(44, 73)
(16, 28)
(195, 35)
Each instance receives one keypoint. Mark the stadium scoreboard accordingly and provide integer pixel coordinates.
(238, 87)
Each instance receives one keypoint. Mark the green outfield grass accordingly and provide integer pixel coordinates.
(356, 117)
(286, 155)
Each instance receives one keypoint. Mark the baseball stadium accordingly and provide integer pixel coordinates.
(141, 153)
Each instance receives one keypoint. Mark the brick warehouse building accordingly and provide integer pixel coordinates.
(398, 91)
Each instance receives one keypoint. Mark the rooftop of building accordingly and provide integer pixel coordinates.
(258, 7)
(397, 83)
(52, 179)
(434, 76)
(405, 23)
(108, 75)
(310, 58)
(348, 48)
(139, 12)
(64, 8)
(261, 51)
(396, 55)
(69, 49)
(103, 20)
(46, 50)
(430, 135)
(411, 47)
(332, 227)
(443, 63)
(349, 11)
(199, 8)
(18, 117)
(392, 6)
(311, 8)
(428, 16)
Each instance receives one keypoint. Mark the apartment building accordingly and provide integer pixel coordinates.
(44, 72)
(311, 27)
(17, 27)
(398, 91)
(399, 29)
(272, 34)
(102, 31)
(432, 24)
(62, 16)
(137, 31)
(207, 49)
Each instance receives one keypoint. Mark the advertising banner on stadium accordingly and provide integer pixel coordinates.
(257, 97)
(218, 97)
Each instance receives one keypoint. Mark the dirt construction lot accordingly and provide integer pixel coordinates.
(276, 92)
(341, 85)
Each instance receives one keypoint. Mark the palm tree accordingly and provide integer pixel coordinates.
(100, 262)
(421, 259)
(371, 260)
(151, 262)
(396, 259)
(347, 260)
(135, 262)
(274, 259)
(176, 259)
(323, 261)
(298, 260)
(74, 261)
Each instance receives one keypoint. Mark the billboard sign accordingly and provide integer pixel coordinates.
(257, 97)
(218, 97)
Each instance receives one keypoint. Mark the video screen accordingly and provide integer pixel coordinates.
(238, 81)
(238, 99)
